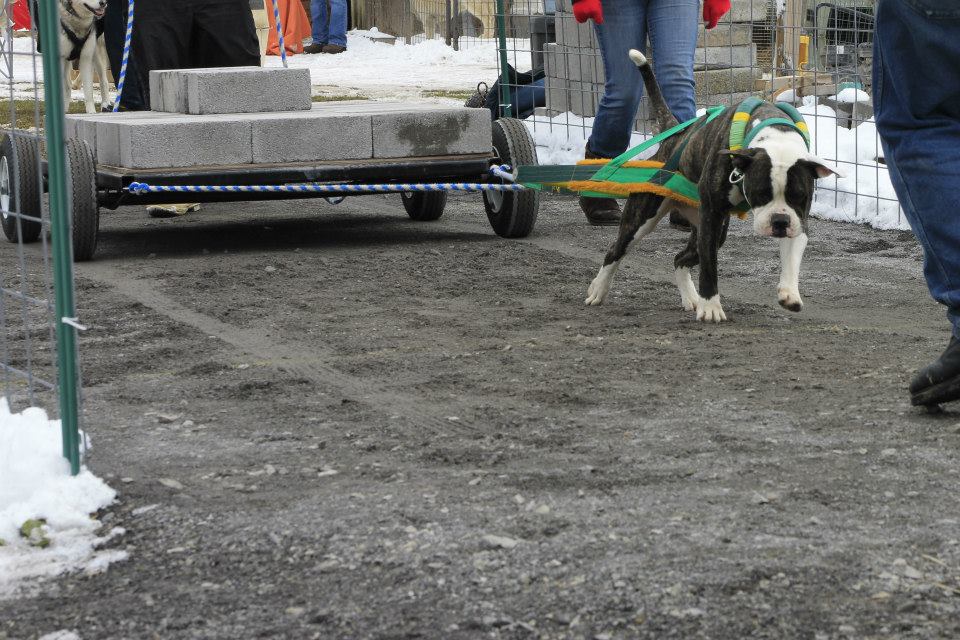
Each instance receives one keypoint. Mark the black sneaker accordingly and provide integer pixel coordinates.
(314, 48)
(678, 222)
(938, 382)
(478, 99)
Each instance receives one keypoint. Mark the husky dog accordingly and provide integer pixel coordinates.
(81, 39)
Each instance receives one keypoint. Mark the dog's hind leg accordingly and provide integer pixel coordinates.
(67, 88)
(640, 216)
(791, 254)
(682, 264)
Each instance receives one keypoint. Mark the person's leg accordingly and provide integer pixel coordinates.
(337, 33)
(114, 35)
(224, 35)
(673, 37)
(624, 27)
(318, 17)
(917, 101)
(161, 39)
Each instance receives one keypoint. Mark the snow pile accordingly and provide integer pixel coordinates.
(850, 95)
(380, 70)
(855, 153)
(36, 487)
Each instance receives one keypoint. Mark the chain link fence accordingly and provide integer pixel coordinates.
(38, 352)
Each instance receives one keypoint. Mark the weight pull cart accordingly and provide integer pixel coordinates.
(423, 184)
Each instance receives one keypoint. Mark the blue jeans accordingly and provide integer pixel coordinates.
(672, 26)
(330, 29)
(916, 85)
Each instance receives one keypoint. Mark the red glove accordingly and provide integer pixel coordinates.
(584, 10)
(713, 10)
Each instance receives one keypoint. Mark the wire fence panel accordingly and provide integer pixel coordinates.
(38, 357)
(815, 55)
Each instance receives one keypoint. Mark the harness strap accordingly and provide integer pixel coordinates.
(739, 138)
(617, 162)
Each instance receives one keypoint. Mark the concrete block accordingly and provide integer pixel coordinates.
(726, 35)
(564, 6)
(571, 33)
(230, 90)
(184, 141)
(584, 65)
(311, 136)
(746, 11)
(584, 98)
(723, 82)
(558, 98)
(725, 57)
(432, 132)
(554, 64)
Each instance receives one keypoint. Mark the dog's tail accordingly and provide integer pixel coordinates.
(665, 117)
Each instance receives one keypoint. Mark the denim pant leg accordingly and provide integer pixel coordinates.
(624, 27)
(673, 36)
(672, 25)
(917, 99)
(338, 23)
(318, 17)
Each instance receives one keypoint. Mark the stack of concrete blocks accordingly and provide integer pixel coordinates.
(725, 67)
(251, 115)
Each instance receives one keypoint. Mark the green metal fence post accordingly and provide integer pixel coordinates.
(506, 108)
(61, 237)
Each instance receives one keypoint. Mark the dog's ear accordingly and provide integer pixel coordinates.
(820, 167)
(741, 158)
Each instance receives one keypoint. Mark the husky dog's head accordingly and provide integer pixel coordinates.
(776, 175)
(86, 8)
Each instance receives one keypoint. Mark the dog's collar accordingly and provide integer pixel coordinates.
(741, 138)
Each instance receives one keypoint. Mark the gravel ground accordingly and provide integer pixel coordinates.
(387, 429)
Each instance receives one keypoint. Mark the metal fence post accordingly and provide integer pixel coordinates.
(61, 236)
(506, 109)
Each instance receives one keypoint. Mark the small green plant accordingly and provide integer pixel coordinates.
(34, 531)
(454, 94)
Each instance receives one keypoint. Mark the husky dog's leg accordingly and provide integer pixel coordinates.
(103, 71)
(67, 89)
(87, 56)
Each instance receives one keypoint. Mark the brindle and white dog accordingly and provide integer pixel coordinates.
(775, 175)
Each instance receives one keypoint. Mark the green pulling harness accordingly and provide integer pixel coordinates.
(620, 177)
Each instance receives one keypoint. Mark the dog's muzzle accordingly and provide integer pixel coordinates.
(779, 225)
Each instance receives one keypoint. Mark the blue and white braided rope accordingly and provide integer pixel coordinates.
(279, 25)
(138, 188)
(128, 38)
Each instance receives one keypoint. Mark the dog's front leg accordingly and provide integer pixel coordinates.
(709, 239)
(640, 216)
(791, 254)
(67, 85)
(87, 55)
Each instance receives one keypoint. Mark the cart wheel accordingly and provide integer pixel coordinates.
(84, 208)
(424, 206)
(20, 188)
(512, 214)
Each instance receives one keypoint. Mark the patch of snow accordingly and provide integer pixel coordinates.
(35, 483)
(850, 95)
(787, 96)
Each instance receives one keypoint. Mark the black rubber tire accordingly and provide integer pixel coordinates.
(20, 187)
(513, 214)
(424, 206)
(84, 208)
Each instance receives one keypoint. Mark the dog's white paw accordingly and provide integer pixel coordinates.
(688, 292)
(789, 299)
(710, 310)
(600, 287)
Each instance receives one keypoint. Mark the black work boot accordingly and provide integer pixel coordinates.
(938, 382)
(599, 211)
(678, 222)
